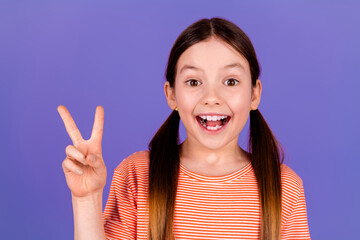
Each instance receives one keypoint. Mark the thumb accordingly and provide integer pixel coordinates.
(94, 160)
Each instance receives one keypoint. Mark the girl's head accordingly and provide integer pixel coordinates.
(203, 30)
(213, 69)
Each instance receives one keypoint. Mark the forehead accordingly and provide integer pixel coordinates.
(212, 53)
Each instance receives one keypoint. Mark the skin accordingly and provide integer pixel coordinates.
(85, 174)
(210, 91)
(84, 166)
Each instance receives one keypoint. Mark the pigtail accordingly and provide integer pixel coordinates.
(163, 178)
(266, 160)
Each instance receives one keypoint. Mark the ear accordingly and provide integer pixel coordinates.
(170, 95)
(256, 95)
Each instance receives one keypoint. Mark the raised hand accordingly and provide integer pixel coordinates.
(84, 167)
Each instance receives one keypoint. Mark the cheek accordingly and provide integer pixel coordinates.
(240, 102)
(186, 100)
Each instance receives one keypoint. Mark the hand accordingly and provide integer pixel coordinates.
(84, 167)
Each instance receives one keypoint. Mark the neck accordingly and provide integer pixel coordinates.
(229, 153)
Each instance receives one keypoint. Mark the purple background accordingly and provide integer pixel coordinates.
(114, 54)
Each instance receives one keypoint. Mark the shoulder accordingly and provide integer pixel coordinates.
(136, 163)
(289, 176)
(292, 184)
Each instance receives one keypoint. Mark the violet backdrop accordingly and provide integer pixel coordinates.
(113, 53)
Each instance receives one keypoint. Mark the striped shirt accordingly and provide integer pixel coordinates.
(207, 207)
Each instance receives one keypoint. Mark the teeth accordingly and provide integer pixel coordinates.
(214, 128)
(212, 118)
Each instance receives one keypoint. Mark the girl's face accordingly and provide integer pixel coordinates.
(213, 82)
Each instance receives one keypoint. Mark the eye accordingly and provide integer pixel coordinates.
(193, 83)
(231, 82)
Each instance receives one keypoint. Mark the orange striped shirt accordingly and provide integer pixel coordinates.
(207, 207)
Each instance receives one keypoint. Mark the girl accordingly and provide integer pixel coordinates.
(206, 187)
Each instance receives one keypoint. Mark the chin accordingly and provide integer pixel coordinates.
(213, 145)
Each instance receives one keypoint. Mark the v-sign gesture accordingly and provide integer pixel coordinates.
(84, 167)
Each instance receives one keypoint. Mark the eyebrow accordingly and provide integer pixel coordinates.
(233, 65)
(185, 67)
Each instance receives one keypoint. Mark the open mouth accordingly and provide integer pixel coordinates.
(214, 122)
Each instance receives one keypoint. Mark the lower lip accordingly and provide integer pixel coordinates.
(207, 131)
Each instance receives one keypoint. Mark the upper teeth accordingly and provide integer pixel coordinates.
(212, 118)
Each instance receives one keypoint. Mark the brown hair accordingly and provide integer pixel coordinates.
(266, 153)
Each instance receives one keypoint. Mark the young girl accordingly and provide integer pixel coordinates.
(206, 187)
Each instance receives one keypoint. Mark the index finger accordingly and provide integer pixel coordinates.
(70, 125)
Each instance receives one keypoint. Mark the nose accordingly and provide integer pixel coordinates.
(211, 96)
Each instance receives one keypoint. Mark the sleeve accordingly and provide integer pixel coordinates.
(120, 210)
(296, 226)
